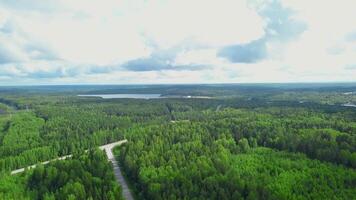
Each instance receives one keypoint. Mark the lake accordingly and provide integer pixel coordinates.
(349, 105)
(141, 96)
(123, 96)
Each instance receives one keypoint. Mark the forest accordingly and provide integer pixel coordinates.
(249, 141)
(85, 176)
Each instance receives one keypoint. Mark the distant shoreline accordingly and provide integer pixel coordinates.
(142, 96)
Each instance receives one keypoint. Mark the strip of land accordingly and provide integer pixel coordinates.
(117, 170)
(105, 147)
(108, 150)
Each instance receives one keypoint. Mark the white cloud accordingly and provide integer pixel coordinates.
(199, 56)
(322, 52)
(211, 23)
(87, 41)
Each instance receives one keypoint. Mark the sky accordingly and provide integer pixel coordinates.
(176, 41)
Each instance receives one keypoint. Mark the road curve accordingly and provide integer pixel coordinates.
(67, 156)
(117, 170)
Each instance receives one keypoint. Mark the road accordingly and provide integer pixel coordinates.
(103, 147)
(117, 170)
(43, 163)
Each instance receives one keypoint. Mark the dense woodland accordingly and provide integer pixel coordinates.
(245, 142)
(87, 176)
(84, 176)
(210, 160)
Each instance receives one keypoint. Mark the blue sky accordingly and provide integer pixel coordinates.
(170, 41)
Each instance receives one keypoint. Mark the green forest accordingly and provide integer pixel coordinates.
(85, 176)
(238, 142)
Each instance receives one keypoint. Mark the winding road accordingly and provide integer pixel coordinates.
(117, 170)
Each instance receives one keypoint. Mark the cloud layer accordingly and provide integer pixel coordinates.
(138, 41)
(280, 28)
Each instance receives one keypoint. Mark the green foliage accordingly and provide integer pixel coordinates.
(88, 177)
(247, 142)
(243, 145)
(21, 144)
(203, 161)
(13, 187)
(318, 135)
(317, 96)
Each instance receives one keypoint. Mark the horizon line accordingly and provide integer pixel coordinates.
(130, 84)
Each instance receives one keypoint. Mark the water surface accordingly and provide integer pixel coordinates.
(349, 105)
(123, 96)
